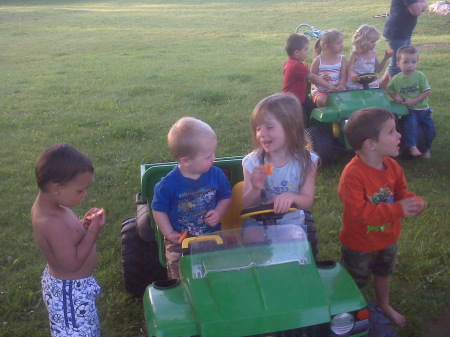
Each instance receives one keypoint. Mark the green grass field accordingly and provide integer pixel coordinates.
(111, 78)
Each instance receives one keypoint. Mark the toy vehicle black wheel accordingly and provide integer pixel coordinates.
(140, 262)
(320, 141)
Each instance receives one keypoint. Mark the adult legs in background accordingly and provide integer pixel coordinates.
(393, 69)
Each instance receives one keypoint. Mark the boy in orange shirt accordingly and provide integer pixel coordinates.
(373, 190)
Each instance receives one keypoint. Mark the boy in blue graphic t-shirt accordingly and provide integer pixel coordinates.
(195, 194)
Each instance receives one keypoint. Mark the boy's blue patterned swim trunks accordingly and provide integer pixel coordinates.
(71, 306)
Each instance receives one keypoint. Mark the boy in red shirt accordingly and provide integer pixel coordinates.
(295, 73)
(373, 190)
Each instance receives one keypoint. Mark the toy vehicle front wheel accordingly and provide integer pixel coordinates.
(320, 141)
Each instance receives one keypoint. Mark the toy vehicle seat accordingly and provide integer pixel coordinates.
(232, 218)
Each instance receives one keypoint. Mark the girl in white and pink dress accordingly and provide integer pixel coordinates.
(329, 64)
(363, 58)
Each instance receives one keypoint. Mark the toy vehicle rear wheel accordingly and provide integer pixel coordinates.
(140, 262)
(320, 141)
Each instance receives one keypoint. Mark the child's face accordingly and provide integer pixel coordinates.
(372, 43)
(408, 63)
(302, 54)
(205, 157)
(388, 143)
(338, 46)
(270, 134)
(74, 191)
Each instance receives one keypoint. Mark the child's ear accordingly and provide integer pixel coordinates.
(368, 145)
(54, 188)
(184, 161)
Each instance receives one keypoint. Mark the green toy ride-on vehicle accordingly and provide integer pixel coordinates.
(325, 129)
(237, 282)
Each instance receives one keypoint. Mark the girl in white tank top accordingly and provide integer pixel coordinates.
(330, 64)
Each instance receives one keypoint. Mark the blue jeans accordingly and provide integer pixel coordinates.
(396, 44)
(411, 127)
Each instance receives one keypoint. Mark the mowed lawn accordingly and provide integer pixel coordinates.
(111, 78)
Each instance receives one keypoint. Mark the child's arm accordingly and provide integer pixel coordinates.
(164, 225)
(212, 218)
(317, 80)
(253, 184)
(315, 65)
(412, 206)
(379, 66)
(414, 101)
(343, 75)
(357, 205)
(303, 200)
(396, 97)
(351, 65)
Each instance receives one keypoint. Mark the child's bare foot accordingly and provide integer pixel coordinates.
(395, 316)
(427, 155)
(415, 151)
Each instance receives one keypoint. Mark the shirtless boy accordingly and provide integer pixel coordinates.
(67, 243)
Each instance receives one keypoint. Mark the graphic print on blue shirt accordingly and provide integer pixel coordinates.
(192, 208)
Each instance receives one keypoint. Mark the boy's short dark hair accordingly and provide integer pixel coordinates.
(406, 50)
(295, 42)
(365, 124)
(60, 163)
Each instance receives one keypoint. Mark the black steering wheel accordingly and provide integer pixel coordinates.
(264, 213)
(366, 79)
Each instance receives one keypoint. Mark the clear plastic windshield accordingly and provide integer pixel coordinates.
(243, 248)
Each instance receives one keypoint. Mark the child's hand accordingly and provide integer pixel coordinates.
(353, 76)
(257, 177)
(412, 206)
(333, 88)
(388, 54)
(86, 221)
(173, 236)
(283, 202)
(212, 218)
(409, 102)
(95, 220)
(398, 99)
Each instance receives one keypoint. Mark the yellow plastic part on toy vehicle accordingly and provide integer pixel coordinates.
(232, 218)
(249, 215)
(187, 241)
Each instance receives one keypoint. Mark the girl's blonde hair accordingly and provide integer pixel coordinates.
(362, 37)
(286, 108)
(326, 40)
